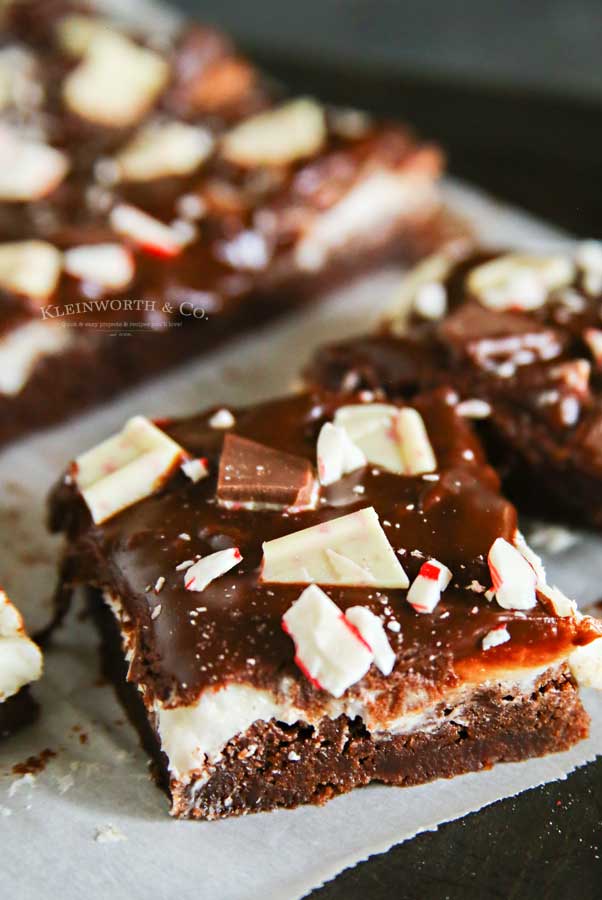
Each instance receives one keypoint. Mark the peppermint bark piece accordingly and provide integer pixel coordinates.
(519, 339)
(20, 665)
(398, 629)
(167, 191)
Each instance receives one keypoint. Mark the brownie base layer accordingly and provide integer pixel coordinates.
(94, 371)
(276, 765)
(17, 711)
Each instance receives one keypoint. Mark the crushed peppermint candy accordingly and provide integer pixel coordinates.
(427, 587)
(223, 418)
(159, 584)
(513, 577)
(156, 611)
(208, 568)
(495, 637)
(474, 409)
(195, 469)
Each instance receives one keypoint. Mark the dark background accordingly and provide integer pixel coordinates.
(513, 90)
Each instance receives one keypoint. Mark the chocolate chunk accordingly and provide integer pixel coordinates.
(251, 473)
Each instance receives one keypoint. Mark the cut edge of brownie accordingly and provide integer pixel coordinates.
(277, 765)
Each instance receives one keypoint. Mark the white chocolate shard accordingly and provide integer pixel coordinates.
(162, 150)
(416, 449)
(195, 469)
(145, 231)
(585, 664)
(22, 348)
(301, 557)
(29, 170)
(109, 265)
(372, 428)
(496, 637)
(207, 569)
(277, 137)
(116, 83)
(432, 270)
(371, 629)
(330, 651)
(337, 454)
(427, 587)
(20, 658)
(126, 468)
(30, 268)
(519, 281)
(513, 578)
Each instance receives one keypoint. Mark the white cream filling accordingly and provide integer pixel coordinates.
(20, 658)
(372, 206)
(22, 348)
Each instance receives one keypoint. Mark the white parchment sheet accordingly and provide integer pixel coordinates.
(92, 824)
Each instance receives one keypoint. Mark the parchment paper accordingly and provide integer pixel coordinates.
(92, 824)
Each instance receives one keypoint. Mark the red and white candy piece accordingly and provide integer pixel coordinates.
(126, 468)
(513, 578)
(337, 454)
(29, 170)
(427, 587)
(350, 550)
(495, 637)
(330, 651)
(593, 339)
(109, 265)
(162, 150)
(195, 469)
(147, 232)
(207, 569)
(371, 629)
(277, 137)
(392, 438)
(30, 268)
(562, 605)
(116, 82)
(519, 281)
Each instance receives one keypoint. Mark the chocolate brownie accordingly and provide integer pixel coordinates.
(158, 196)
(303, 596)
(519, 336)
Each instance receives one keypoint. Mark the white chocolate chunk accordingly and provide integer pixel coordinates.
(29, 170)
(329, 650)
(513, 578)
(109, 265)
(145, 231)
(371, 629)
(372, 428)
(277, 137)
(416, 449)
(20, 658)
(495, 637)
(162, 150)
(585, 664)
(116, 82)
(22, 348)
(30, 268)
(337, 454)
(301, 557)
(519, 281)
(207, 569)
(126, 468)
(427, 587)
(195, 469)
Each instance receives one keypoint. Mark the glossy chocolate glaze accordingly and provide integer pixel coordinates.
(212, 86)
(231, 632)
(546, 420)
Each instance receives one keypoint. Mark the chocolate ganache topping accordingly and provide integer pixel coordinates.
(185, 640)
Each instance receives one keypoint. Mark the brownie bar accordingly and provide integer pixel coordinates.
(318, 592)
(519, 337)
(20, 664)
(168, 194)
